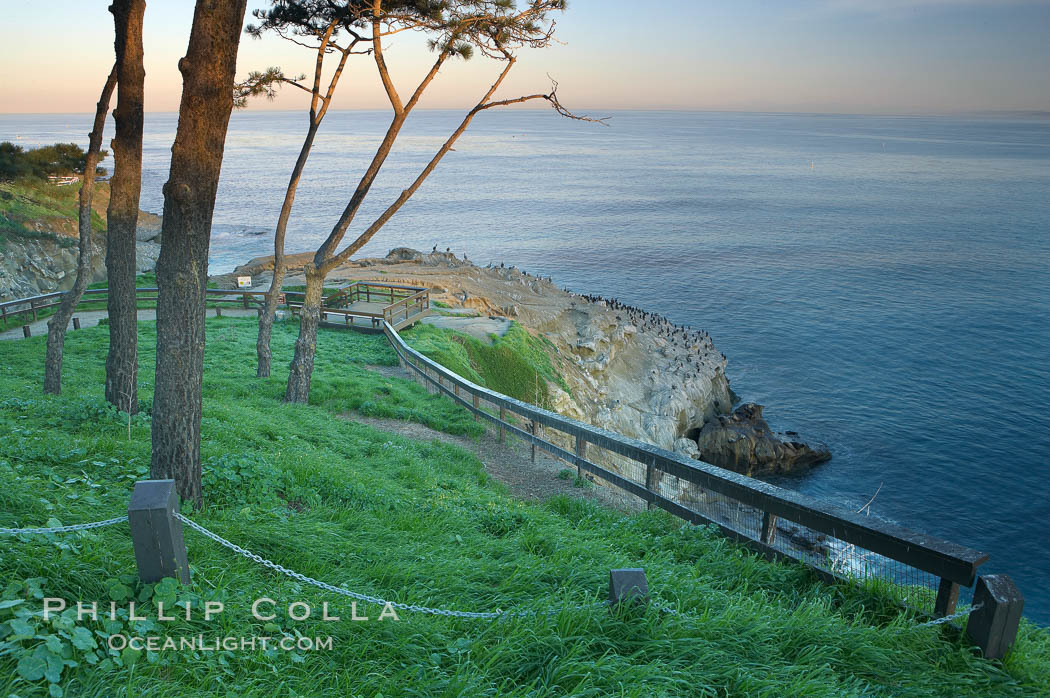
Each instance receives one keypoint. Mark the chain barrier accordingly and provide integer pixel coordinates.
(949, 619)
(365, 597)
(62, 529)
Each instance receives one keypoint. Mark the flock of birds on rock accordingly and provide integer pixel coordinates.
(643, 319)
(683, 335)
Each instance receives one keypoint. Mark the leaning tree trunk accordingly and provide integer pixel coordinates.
(182, 269)
(262, 344)
(56, 326)
(123, 213)
(306, 345)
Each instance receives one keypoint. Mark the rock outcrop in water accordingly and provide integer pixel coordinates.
(743, 442)
(627, 370)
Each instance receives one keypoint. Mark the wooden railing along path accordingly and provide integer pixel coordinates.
(778, 523)
(393, 303)
(371, 303)
(28, 309)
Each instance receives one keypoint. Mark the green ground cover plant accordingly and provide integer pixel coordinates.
(412, 521)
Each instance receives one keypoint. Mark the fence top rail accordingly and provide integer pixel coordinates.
(140, 290)
(407, 299)
(32, 299)
(381, 284)
(952, 561)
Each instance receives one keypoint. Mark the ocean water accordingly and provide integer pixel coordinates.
(879, 283)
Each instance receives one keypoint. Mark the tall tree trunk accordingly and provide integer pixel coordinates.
(56, 326)
(182, 270)
(123, 213)
(306, 345)
(262, 344)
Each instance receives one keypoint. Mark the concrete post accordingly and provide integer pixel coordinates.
(628, 584)
(155, 532)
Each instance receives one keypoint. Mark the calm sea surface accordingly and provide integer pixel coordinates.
(881, 283)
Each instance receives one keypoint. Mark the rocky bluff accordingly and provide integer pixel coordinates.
(38, 254)
(628, 370)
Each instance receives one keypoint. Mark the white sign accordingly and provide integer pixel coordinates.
(244, 282)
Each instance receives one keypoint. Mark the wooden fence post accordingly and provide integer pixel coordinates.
(769, 528)
(581, 452)
(649, 475)
(477, 406)
(947, 597)
(155, 532)
(502, 419)
(76, 323)
(26, 332)
(993, 627)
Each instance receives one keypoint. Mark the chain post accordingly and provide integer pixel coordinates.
(156, 532)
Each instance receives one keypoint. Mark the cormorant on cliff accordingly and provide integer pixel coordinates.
(435, 248)
(448, 249)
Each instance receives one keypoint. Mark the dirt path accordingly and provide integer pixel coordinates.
(509, 462)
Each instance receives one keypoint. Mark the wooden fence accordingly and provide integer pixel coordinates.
(836, 543)
(396, 304)
(779, 523)
(26, 309)
(369, 304)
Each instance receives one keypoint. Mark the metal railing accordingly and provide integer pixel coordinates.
(778, 523)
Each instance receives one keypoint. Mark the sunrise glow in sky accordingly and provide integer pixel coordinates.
(858, 56)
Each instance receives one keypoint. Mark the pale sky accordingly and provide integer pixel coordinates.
(854, 56)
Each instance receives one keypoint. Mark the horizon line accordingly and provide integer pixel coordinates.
(961, 112)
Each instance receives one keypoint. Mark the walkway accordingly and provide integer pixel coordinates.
(509, 462)
(90, 318)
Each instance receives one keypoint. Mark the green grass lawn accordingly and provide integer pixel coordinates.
(414, 522)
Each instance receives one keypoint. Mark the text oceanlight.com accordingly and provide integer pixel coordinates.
(200, 643)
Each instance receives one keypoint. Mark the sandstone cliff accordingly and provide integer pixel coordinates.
(38, 239)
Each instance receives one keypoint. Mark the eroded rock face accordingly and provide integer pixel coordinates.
(744, 443)
(33, 266)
